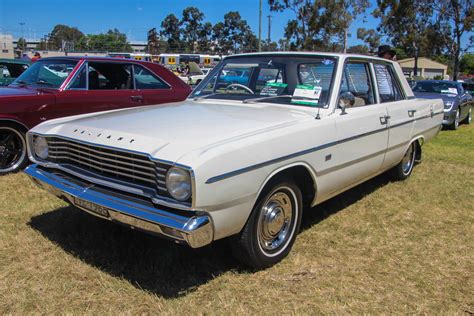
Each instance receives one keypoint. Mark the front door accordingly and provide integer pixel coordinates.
(362, 132)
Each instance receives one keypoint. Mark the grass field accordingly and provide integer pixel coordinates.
(382, 247)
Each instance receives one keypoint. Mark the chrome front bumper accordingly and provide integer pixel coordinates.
(190, 227)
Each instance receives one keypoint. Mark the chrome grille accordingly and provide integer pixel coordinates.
(110, 163)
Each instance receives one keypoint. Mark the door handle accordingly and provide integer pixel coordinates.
(137, 98)
(411, 113)
(384, 119)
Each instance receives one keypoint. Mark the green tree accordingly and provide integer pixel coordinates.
(358, 49)
(406, 22)
(239, 36)
(204, 37)
(171, 32)
(219, 38)
(370, 37)
(192, 27)
(466, 64)
(318, 24)
(459, 15)
(21, 44)
(64, 37)
(112, 41)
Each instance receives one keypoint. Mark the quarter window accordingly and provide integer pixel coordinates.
(80, 81)
(389, 89)
(145, 79)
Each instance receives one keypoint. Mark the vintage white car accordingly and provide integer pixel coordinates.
(240, 159)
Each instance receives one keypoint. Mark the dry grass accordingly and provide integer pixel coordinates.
(382, 247)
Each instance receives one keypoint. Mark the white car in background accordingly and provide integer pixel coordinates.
(240, 159)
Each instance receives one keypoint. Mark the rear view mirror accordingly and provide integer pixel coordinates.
(346, 99)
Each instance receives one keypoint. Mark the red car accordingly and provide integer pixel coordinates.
(64, 86)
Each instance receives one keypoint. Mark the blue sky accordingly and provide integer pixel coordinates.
(135, 17)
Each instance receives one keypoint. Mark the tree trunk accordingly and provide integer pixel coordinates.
(345, 40)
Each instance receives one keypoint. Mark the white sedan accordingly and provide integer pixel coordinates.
(243, 156)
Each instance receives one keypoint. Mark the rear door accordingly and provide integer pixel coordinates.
(401, 112)
(150, 87)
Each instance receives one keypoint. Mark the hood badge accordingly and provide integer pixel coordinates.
(121, 138)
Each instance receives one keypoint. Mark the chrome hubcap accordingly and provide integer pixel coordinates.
(408, 159)
(275, 221)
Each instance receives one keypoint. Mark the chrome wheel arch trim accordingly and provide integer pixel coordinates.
(282, 169)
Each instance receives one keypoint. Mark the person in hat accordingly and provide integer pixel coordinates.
(36, 57)
(385, 51)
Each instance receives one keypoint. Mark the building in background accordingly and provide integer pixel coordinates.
(427, 68)
(6, 46)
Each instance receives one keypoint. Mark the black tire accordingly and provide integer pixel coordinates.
(455, 125)
(468, 118)
(13, 153)
(271, 229)
(405, 167)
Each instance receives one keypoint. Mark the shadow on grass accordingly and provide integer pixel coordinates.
(155, 265)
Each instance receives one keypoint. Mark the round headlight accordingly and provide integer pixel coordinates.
(40, 147)
(178, 183)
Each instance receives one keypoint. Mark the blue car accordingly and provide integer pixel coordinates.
(457, 101)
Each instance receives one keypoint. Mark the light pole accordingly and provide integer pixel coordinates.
(260, 28)
(22, 37)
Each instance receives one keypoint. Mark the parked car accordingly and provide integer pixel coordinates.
(65, 86)
(457, 102)
(242, 160)
(10, 69)
(468, 87)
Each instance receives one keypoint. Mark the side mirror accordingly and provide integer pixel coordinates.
(346, 99)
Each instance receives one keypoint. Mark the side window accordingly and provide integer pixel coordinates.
(80, 81)
(356, 80)
(389, 89)
(145, 79)
(110, 76)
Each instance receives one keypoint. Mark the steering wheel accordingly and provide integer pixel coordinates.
(240, 86)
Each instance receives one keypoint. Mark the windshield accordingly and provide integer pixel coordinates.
(46, 73)
(284, 79)
(435, 87)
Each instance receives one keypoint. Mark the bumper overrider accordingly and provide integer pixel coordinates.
(193, 228)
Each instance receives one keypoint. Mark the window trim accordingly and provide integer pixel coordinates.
(168, 86)
(370, 76)
(76, 75)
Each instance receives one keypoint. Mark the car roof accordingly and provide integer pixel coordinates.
(309, 54)
(93, 58)
(14, 61)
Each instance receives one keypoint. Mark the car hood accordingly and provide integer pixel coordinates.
(170, 131)
(431, 95)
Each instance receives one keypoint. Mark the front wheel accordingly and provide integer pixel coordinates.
(405, 167)
(13, 155)
(271, 230)
(468, 118)
(455, 124)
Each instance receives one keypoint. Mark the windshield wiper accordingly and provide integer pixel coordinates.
(43, 82)
(21, 83)
(254, 100)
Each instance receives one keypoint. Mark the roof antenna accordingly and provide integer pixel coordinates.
(318, 117)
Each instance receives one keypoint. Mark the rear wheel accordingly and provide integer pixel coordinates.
(271, 230)
(13, 155)
(405, 167)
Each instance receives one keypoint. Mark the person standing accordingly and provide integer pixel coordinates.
(385, 51)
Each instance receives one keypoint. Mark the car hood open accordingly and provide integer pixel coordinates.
(170, 131)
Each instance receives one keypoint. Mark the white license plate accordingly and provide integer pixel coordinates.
(94, 208)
